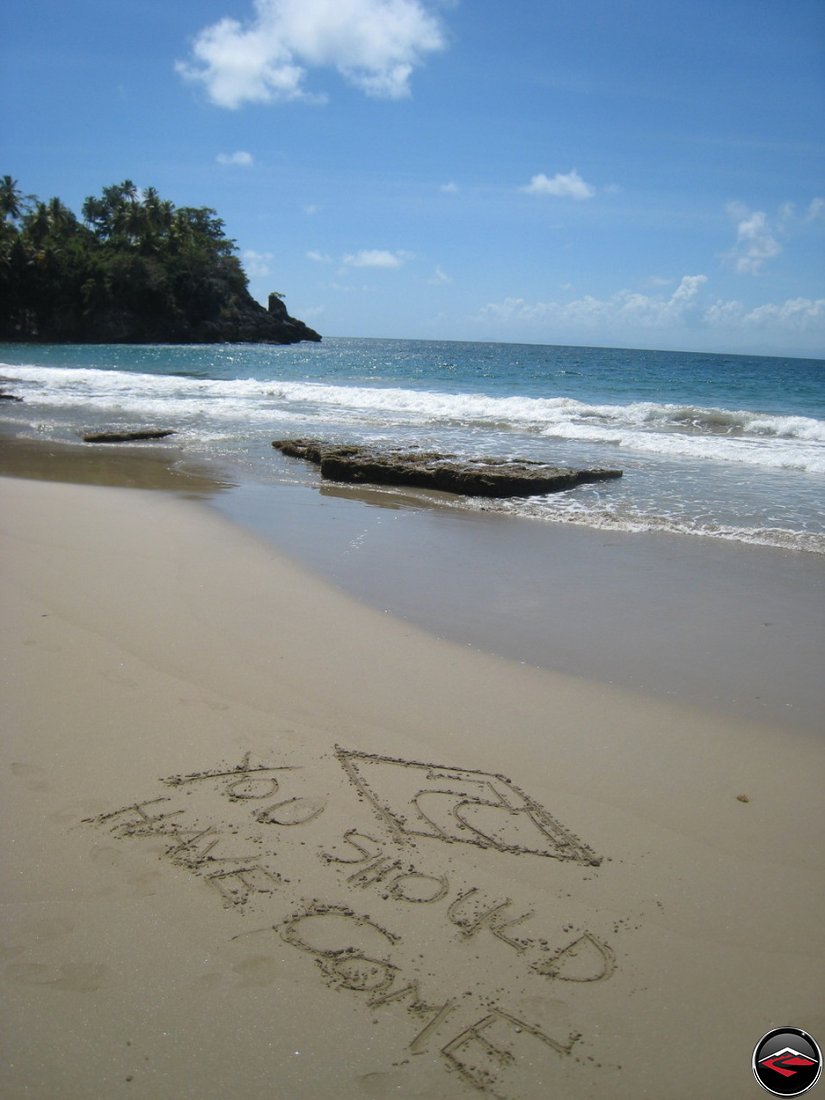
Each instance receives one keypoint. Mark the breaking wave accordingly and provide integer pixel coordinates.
(667, 430)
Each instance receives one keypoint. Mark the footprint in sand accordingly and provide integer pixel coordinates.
(33, 776)
(76, 811)
(36, 932)
(382, 1085)
(140, 882)
(47, 647)
(72, 977)
(258, 971)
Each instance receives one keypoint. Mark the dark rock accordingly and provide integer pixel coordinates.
(277, 307)
(486, 477)
(127, 436)
(9, 396)
(237, 319)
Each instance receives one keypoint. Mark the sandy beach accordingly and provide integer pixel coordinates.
(263, 840)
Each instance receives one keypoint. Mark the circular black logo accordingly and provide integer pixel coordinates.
(787, 1061)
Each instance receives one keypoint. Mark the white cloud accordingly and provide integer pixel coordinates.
(450, 188)
(319, 257)
(760, 238)
(687, 290)
(628, 313)
(790, 218)
(569, 186)
(257, 263)
(440, 278)
(624, 308)
(796, 314)
(755, 242)
(376, 257)
(242, 159)
(373, 44)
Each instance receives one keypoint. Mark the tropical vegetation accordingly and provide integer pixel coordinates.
(133, 268)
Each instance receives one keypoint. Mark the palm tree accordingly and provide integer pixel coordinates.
(12, 200)
(61, 218)
(38, 225)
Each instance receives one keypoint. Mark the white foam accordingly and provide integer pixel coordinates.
(668, 430)
(633, 521)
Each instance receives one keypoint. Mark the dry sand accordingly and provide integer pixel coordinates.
(263, 841)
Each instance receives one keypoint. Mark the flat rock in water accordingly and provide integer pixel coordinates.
(127, 436)
(485, 477)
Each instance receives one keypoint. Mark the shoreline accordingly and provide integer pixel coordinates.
(262, 836)
(695, 459)
(732, 628)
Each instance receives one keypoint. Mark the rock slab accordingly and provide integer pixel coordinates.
(485, 477)
(127, 436)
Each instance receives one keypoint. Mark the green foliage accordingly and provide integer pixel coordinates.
(136, 268)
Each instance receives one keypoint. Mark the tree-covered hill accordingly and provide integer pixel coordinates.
(135, 269)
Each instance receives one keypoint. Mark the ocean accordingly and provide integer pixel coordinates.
(722, 447)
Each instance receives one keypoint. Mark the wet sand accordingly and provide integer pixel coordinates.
(263, 840)
(736, 629)
(146, 466)
(733, 628)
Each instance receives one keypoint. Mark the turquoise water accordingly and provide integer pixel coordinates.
(716, 446)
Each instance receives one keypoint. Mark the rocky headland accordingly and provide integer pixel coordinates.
(135, 270)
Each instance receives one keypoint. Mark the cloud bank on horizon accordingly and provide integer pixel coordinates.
(633, 311)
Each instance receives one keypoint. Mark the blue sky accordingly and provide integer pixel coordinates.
(601, 172)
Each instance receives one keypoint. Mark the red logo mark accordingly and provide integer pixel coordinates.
(783, 1060)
